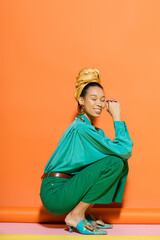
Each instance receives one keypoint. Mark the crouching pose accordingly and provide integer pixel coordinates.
(87, 168)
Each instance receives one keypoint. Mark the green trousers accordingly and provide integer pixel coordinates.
(100, 182)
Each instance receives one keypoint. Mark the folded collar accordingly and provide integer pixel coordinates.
(85, 118)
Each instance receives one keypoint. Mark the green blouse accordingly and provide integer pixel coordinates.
(82, 144)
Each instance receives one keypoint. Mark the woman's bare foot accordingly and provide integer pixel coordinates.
(88, 210)
(73, 219)
(77, 214)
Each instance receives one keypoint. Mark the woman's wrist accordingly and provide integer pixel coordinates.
(117, 118)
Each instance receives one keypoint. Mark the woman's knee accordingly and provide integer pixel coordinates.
(117, 161)
(113, 163)
(110, 161)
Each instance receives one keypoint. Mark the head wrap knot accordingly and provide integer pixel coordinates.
(85, 76)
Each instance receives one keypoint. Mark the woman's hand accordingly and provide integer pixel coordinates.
(114, 108)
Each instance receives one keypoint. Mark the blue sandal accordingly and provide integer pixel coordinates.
(86, 228)
(97, 222)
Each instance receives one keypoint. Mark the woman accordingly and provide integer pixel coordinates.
(87, 168)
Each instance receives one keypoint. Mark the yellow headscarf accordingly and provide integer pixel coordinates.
(85, 76)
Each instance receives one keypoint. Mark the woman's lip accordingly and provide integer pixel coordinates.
(97, 110)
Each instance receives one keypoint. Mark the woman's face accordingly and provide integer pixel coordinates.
(94, 102)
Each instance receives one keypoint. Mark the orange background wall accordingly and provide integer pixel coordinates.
(44, 44)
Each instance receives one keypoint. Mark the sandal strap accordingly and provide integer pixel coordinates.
(98, 221)
(89, 226)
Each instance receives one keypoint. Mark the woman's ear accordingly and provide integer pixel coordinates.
(81, 101)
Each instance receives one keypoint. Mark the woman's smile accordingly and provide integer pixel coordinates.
(97, 110)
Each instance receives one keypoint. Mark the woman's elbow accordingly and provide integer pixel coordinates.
(131, 143)
(127, 153)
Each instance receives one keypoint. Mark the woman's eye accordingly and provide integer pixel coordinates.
(96, 99)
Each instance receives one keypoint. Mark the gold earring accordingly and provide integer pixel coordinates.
(82, 109)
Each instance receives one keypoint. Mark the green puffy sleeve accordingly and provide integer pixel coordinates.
(98, 145)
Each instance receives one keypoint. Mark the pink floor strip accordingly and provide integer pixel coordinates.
(61, 229)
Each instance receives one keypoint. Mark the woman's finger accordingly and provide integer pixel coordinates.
(111, 100)
(107, 105)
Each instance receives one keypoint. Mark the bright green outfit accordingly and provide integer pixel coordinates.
(98, 167)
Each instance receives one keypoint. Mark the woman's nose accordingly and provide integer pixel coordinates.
(99, 103)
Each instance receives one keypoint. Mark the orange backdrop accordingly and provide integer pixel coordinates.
(44, 44)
